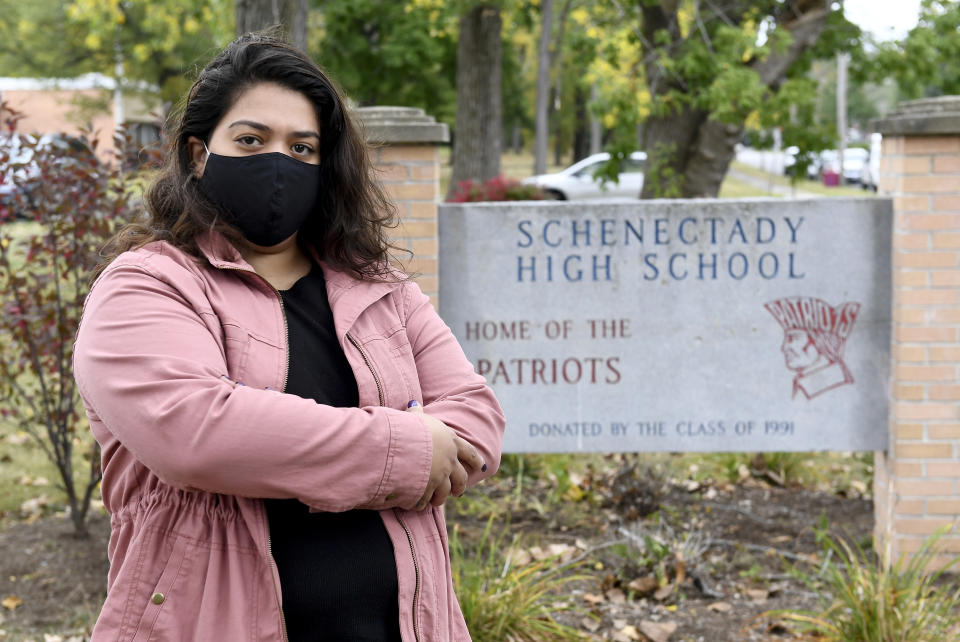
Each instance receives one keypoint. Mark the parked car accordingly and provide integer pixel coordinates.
(17, 173)
(20, 174)
(854, 160)
(579, 181)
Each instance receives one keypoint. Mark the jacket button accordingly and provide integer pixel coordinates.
(157, 598)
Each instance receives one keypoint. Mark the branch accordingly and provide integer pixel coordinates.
(805, 31)
(703, 30)
(720, 13)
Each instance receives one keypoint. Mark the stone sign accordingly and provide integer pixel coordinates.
(708, 325)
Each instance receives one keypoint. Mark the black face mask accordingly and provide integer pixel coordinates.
(267, 197)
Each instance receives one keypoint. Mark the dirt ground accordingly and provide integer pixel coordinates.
(721, 571)
(718, 568)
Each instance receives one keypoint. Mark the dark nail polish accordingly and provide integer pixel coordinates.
(483, 468)
(413, 404)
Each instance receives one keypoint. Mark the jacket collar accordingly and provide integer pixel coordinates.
(348, 295)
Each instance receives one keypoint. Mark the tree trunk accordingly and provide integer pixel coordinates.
(543, 90)
(479, 130)
(556, 70)
(291, 15)
(596, 127)
(581, 129)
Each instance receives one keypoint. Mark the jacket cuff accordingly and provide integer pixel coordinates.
(409, 457)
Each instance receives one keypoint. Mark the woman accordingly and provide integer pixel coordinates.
(281, 415)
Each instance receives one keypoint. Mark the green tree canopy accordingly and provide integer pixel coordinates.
(927, 61)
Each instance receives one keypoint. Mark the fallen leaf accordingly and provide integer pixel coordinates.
(564, 551)
(616, 596)
(518, 557)
(780, 539)
(619, 623)
(644, 585)
(594, 599)
(40, 481)
(720, 607)
(631, 632)
(590, 624)
(680, 568)
(47, 637)
(617, 636)
(759, 596)
(658, 631)
(11, 602)
(538, 553)
(34, 506)
(663, 592)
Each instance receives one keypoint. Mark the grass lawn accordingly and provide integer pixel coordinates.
(804, 185)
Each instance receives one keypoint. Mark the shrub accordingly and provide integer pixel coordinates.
(498, 188)
(75, 202)
(501, 601)
(874, 600)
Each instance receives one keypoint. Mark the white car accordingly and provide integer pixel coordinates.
(578, 180)
(854, 160)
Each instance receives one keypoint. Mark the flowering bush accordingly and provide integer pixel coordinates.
(74, 202)
(498, 188)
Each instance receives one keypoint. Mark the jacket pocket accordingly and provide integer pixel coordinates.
(237, 347)
(167, 595)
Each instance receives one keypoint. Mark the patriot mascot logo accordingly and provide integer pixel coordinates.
(814, 336)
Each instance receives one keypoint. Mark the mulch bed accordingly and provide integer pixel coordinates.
(743, 533)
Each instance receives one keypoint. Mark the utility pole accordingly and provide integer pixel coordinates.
(843, 60)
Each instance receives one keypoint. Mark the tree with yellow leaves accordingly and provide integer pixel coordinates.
(154, 41)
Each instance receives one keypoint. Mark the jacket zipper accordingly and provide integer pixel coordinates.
(363, 354)
(416, 572)
(413, 552)
(286, 375)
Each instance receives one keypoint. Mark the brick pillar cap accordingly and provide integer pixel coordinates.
(401, 126)
(924, 117)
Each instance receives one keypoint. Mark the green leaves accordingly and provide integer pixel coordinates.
(927, 61)
(72, 201)
(876, 599)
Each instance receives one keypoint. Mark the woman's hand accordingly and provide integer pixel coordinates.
(451, 454)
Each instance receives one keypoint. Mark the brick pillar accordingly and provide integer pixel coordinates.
(407, 143)
(917, 482)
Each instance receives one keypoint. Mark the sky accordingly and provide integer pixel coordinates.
(886, 19)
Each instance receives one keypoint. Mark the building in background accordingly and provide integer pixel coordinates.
(71, 106)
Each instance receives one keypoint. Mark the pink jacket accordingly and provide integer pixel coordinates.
(180, 366)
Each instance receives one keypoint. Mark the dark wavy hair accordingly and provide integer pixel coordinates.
(347, 227)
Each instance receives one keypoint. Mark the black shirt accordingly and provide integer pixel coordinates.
(338, 575)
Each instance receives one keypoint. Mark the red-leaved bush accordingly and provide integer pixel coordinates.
(67, 203)
(498, 188)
